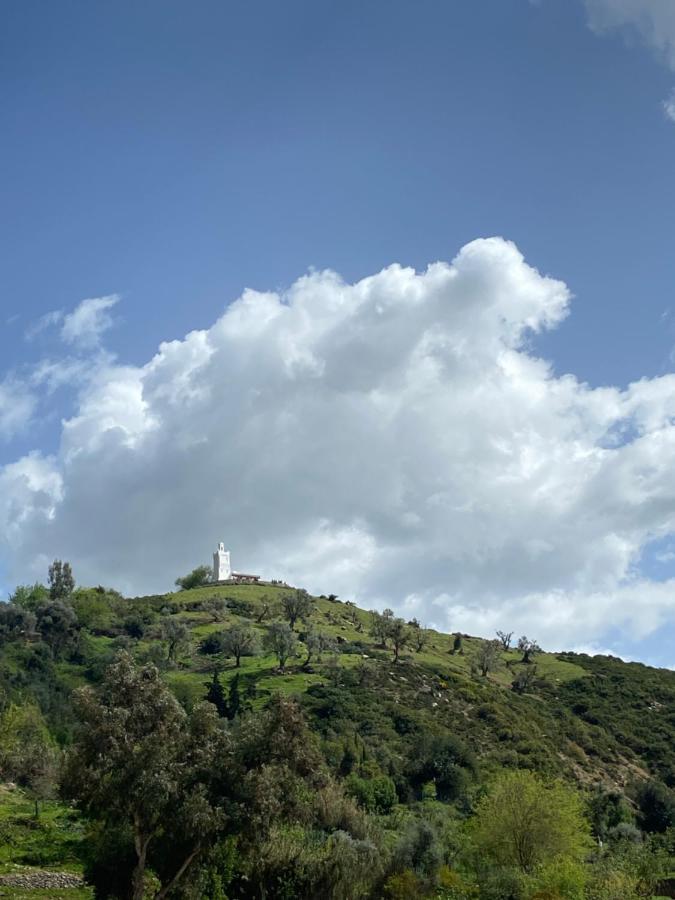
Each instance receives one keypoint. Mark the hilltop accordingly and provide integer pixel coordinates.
(429, 728)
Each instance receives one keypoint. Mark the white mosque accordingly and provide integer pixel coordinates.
(222, 570)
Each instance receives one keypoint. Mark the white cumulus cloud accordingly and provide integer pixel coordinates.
(17, 405)
(85, 325)
(395, 440)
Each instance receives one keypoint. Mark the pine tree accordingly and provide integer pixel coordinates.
(216, 695)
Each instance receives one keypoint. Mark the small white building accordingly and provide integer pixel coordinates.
(222, 571)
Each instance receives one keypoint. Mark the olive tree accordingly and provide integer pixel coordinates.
(138, 759)
(399, 635)
(380, 624)
(177, 637)
(528, 648)
(317, 642)
(238, 641)
(297, 605)
(281, 640)
(487, 658)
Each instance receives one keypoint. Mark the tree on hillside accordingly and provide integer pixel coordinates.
(487, 658)
(352, 615)
(199, 577)
(525, 822)
(176, 635)
(399, 635)
(444, 760)
(528, 648)
(139, 760)
(607, 809)
(264, 609)
(61, 581)
(457, 644)
(505, 638)
(656, 804)
(215, 693)
(238, 641)
(317, 643)
(301, 837)
(281, 640)
(525, 680)
(216, 607)
(15, 622)
(379, 626)
(419, 636)
(28, 754)
(298, 605)
(57, 623)
(29, 596)
(212, 644)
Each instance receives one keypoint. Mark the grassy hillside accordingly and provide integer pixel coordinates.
(595, 722)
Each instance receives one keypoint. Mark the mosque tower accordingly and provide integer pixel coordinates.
(221, 564)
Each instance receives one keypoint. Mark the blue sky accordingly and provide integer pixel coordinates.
(174, 154)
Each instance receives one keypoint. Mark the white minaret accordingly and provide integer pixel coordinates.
(221, 564)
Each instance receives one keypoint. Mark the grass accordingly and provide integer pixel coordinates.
(345, 623)
(52, 840)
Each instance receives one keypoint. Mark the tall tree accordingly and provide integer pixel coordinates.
(61, 581)
(139, 759)
(215, 693)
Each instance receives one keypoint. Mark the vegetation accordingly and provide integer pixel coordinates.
(206, 744)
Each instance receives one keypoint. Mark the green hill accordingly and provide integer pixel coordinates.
(415, 739)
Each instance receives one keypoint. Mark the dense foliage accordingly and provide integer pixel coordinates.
(250, 741)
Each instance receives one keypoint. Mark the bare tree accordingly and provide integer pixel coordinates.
(505, 639)
(419, 636)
